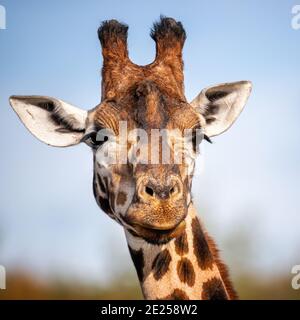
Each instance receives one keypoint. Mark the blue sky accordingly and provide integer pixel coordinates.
(49, 221)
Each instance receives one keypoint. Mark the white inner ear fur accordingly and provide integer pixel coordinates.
(220, 105)
(51, 120)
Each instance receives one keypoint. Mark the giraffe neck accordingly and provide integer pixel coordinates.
(187, 267)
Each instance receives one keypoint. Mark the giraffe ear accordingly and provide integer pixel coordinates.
(51, 120)
(220, 105)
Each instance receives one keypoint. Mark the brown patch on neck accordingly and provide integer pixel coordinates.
(222, 268)
(213, 289)
(209, 255)
(201, 248)
(181, 244)
(185, 271)
(161, 263)
(177, 294)
(138, 261)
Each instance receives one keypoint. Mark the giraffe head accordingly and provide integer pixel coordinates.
(144, 134)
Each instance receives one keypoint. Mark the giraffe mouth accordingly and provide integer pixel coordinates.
(157, 222)
(157, 235)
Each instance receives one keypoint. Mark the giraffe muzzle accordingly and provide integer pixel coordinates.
(160, 209)
(154, 190)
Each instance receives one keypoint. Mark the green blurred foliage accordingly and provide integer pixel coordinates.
(254, 287)
(24, 286)
(21, 285)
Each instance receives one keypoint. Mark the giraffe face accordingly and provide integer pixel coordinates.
(144, 149)
(147, 194)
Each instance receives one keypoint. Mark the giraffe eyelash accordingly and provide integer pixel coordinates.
(207, 138)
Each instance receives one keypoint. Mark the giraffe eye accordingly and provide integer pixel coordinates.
(93, 140)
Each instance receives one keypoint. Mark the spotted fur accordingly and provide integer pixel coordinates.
(160, 264)
(201, 248)
(177, 294)
(213, 289)
(138, 260)
(181, 244)
(186, 272)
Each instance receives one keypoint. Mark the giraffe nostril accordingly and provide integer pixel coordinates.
(149, 191)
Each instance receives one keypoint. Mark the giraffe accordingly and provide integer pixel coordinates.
(173, 255)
